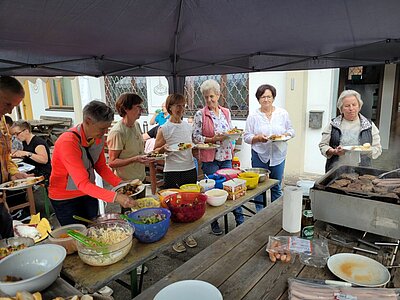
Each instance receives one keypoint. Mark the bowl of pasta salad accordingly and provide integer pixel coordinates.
(112, 242)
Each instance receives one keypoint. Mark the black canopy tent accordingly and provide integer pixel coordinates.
(177, 38)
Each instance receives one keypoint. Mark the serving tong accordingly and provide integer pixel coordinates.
(381, 176)
(85, 240)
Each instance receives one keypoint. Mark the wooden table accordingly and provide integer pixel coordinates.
(238, 265)
(59, 288)
(44, 128)
(94, 278)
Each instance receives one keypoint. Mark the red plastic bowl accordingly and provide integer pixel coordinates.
(186, 207)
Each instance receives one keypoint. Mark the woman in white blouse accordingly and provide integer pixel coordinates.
(265, 122)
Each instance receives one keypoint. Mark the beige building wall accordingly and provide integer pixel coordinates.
(296, 104)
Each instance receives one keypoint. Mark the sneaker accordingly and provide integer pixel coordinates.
(215, 228)
(139, 270)
(190, 242)
(179, 247)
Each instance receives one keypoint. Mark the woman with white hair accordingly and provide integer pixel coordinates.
(210, 123)
(350, 128)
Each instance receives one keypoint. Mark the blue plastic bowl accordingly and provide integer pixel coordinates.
(219, 179)
(150, 233)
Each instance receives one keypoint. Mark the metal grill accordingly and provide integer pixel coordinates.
(234, 93)
(117, 85)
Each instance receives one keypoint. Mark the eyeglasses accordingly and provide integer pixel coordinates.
(180, 105)
(266, 97)
(18, 133)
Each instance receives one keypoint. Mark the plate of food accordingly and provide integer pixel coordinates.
(38, 229)
(19, 184)
(279, 138)
(130, 189)
(180, 147)
(233, 134)
(358, 269)
(365, 148)
(14, 244)
(206, 146)
(156, 155)
(17, 160)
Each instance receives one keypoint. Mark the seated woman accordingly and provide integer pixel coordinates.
(35, 150)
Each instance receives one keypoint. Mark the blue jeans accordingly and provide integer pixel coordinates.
(276, 173)
(85, 206)
(210, 168)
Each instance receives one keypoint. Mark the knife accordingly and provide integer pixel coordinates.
(326, 282)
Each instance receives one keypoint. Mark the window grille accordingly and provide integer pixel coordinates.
(117, 85)
(234, 93)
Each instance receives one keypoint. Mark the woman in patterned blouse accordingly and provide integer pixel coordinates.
(210, 124)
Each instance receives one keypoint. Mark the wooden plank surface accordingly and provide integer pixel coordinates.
(238, 265)
(77, 271)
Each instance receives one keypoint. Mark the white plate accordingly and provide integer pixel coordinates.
(189, 289)
(358, 269)
(140, 188)
(22, 183)
(206, 146)
(351, 148)
(282, 139)
(233, 136)
(17, 160)
(175, 147)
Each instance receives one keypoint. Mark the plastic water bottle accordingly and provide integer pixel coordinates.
(145, 127)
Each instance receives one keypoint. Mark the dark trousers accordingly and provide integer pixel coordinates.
(85, 206)
(175, 179)
(6, 227)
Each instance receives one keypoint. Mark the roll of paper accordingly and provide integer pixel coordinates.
(292, 207)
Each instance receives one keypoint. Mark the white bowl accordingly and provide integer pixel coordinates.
(189, 289)
(216, 197)
(67, 242)
(38, 266)
(206, 184)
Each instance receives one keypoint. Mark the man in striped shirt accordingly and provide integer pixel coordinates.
(11, 95)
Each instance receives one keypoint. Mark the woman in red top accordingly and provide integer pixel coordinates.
(77, 154)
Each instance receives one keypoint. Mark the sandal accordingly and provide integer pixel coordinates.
(190, 242)
(179, 247)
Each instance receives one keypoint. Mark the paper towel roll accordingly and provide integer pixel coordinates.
(292, 207)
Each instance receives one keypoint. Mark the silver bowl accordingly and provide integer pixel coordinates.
(264, 173)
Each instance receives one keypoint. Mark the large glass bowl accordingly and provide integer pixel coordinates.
(117, 234)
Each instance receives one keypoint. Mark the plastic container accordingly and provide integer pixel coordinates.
(186, 207)
(119, 233)
(146, 202)
(251, 179)
(236, 163)
(191, 187)
(228, 173)
(206, 184)
(150, 233)
(236, 188)
(63, 239)
(264, 173)
(216, 197)
(164, 193)
(219, 179)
